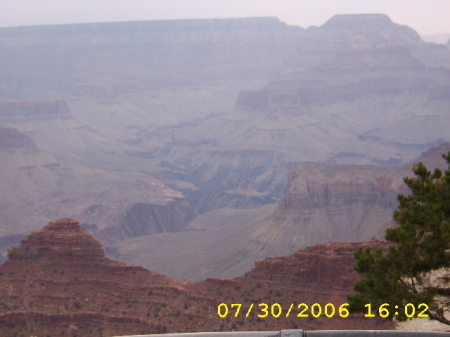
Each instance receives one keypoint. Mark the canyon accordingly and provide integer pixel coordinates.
(36, 185)
(194, 148)
(321, 202)
(226, 103)
(358, 90)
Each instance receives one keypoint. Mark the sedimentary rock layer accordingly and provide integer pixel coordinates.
(19, 110)
(58, 281)
(347, 202)
(61, 240)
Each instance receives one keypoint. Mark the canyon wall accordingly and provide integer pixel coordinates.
(114, 205)
(232, 102)
(347, 202)
(145, 219)
(357, 90)
(322, 202)
(105, 60)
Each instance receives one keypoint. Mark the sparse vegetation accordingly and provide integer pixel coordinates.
(402, 277)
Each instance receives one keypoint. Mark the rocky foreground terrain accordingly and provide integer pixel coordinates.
(58, 283)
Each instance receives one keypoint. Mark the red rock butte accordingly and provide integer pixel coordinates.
(61, 239)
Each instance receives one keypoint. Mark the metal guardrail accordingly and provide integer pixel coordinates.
(302, 333)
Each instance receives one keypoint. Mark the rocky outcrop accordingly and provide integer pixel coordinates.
(58, 281)
(320, 274)
(347, 202)
(63, 239)
(369, 45)
(341, 28)
(326, 263)
(114, 205)
(33, 109)
(325, 185)
(344, 30)
(317, 186)
(11, 138)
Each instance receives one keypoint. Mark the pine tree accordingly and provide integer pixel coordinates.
(399, 280)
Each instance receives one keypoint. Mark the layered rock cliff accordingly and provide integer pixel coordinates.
(376, 28)
(105, 60)
(58, 281)
(60, 240)
(327, 263)
(20, 110)
(144, 219)
(321, 274)
(334, 202)
(341, 202)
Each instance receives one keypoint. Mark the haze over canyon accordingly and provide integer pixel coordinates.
(194, 148)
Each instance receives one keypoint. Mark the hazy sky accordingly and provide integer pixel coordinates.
(425, 16)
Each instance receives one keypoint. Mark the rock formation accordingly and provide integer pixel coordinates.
(144, 219)
(58, 281)
(20, 110)
(376, 28)
(334, 202)
(11, 138)
(329, 264)
(62, 240)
